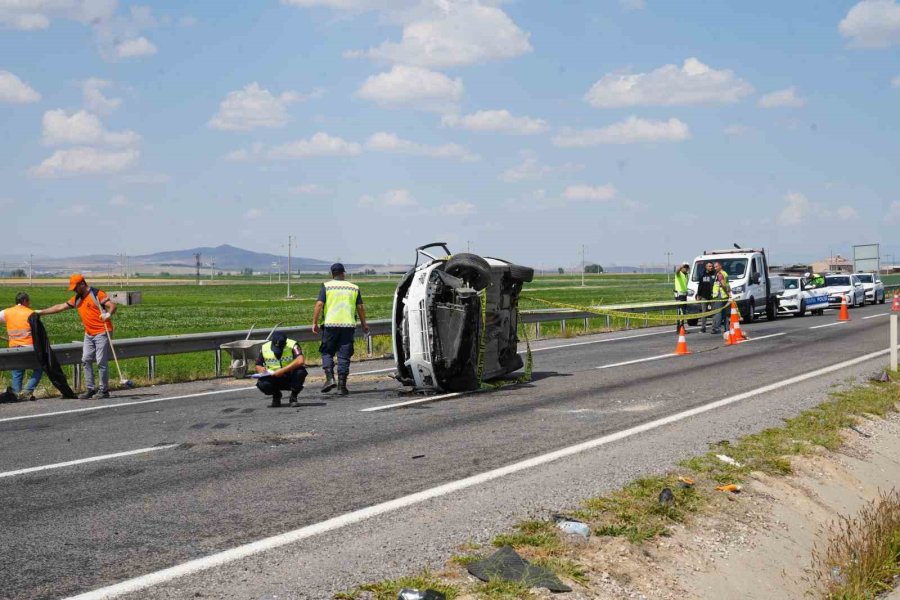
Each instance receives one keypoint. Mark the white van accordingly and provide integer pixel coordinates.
(748, 276)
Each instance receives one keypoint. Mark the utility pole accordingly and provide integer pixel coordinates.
(31, 269)
(197, 260)
(291, 240)
(582, 265)
(468, 246)
(668, 265)
(212, 269)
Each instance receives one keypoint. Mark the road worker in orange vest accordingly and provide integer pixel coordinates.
(19, 332)
(95, 310)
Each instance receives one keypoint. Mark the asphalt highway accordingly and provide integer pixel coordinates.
(142, 482)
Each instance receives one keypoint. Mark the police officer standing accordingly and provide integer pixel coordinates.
(341, 302)
(281, 366)
(681, 290)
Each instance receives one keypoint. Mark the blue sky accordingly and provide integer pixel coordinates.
(523, 129)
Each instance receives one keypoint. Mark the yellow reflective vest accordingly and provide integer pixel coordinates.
(720, 290)
(272, 361)
(340, 303)
(681, 282)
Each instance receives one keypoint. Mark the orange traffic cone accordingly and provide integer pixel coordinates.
(845, 314)
(682, 348)
(736, 324)
(896, 306)
(729, 338)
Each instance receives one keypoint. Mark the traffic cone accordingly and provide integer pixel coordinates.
(736, 324)
(896, 306)
(845, 314)
(729, 337)
(682, 348)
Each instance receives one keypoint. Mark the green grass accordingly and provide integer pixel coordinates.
(500, 589)
(390, 589)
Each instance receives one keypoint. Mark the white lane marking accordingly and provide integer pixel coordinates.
(639, 360)
(617, 339)
(375, 371)
(764, 337)
(136, 402)
(82, 461)
(876, 316)
(416, 401)
(830, 325)
(213, 560)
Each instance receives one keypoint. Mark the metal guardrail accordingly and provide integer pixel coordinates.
(151, 347)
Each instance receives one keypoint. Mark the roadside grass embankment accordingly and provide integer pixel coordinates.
(859, 560)
(181, 309)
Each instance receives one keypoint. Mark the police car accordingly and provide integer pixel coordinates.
(454, 320)
(798, 297)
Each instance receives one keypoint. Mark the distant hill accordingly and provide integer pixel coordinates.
(230, 258)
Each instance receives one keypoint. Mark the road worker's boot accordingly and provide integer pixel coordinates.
(329, 381)
(342, 385)
(276, 399)
(293, 403)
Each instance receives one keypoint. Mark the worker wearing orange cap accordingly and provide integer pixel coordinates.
(95, 310)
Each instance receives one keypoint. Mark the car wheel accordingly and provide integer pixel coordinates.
(882, 299)
(802, 310)
(524, 274)
(471, 268)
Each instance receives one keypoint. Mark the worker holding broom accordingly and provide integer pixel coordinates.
(95, 310)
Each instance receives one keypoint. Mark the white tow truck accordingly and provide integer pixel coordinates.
(799, 297)
(748, 275)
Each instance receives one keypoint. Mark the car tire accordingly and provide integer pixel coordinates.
(471, 268)
(883, 300)
(771, 311)
(749, 316)
(802, 311)
(523, 274)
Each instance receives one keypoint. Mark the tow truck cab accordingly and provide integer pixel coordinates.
(748, 276)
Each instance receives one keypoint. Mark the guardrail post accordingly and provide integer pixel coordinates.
(608, 323)
(562, 327)
(587, 324)
(151, 367)
(369, 346)
(218, 363)
(537, 330)
(76, 375)
(627, 321)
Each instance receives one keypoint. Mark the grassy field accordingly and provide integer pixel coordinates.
(178, 309)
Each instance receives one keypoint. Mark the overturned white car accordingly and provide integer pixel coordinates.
(446, 309)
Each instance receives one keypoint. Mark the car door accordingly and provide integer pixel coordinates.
(756, 285)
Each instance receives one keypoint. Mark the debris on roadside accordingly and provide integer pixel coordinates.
(685, 482)
(572, 526)
(410, 594)
(731, 487)
(506, 564)
(729, 461)
(666, 497)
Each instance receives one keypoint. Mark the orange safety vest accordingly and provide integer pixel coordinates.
(17, 325)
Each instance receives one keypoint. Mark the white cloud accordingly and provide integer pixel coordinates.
(390, 142)
(135, 48)
(893, 214)
(119, 201)
(630, 131)
(459, 33)
(600, 193)
(457, 209)
(187, 21)
(531, 168)
(15, 91)
(63, 127)
(86, 161)
(36, 14)
(800, 209)
(94, 100)
(786, 98)
(633, 4)
(146, 178)
(497, 121)
(895, 82)
(398, 198)
(253, 213)
(75, 210)
(252, 107)
(254, 151)
(872, 24)
(413, 87)
(669, 85)
(320, 144)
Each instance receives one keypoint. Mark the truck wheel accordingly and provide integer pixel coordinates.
(802, 308)
(771, 313)
(882, 299)
(749, 313)
(471, 268)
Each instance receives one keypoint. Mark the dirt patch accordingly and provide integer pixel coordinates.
(756, 544)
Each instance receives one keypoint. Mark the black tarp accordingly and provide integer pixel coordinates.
(47, 357)
(506, 564)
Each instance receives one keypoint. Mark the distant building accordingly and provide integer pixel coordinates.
(834, 264)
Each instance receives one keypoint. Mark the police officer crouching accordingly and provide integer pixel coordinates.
(282, 366)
